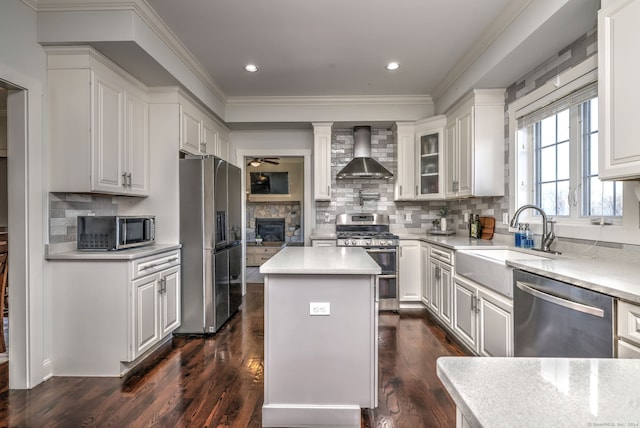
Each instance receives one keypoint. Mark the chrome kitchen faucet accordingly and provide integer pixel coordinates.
(547, 238)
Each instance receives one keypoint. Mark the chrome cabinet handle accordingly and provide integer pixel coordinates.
(401, 189)
(534, 291)
(329, 190)
(417, 193)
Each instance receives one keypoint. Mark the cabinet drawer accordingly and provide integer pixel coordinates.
(271, 251)
(155, 263)
(443, 254)
(629, 322)
(626, 350)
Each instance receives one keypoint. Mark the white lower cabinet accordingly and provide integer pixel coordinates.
(482, 319)
(628, 334)
(495, 324)
(410, 271)
(110, 311)
(426, 284)
(465, 314)
(156, 308)
(441, 283)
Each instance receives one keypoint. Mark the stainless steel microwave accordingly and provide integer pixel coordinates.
(110, 233)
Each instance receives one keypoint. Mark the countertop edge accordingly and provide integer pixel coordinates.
(454, 393)
(130, 254)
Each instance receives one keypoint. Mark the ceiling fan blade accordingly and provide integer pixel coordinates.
(271, 158)
(271, 162)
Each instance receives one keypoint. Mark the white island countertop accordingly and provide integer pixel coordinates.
(321, 260)
(543, 392)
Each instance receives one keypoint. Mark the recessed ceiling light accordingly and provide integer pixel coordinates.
(393, 66)
(251, 68)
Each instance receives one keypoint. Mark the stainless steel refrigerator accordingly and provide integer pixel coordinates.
(211, 237)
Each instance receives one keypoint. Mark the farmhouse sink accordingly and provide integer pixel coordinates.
(489, 267)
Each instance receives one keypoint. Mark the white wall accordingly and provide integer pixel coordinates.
(22, 63)
(270, 140)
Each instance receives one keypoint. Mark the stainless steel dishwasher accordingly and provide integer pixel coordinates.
(556, 319)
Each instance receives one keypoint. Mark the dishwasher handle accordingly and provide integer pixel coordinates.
(534, 291)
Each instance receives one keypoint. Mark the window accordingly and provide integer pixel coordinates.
(558, 150)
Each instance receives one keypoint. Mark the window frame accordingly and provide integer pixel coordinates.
(625, 230)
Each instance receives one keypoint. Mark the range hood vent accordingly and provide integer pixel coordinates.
(363, 165)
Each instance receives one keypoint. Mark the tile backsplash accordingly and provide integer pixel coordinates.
(417, 215)
(64, 208)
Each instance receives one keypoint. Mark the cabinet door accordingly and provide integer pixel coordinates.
(409, 272)
(495, 326)
(464, 149)
(210, 142)
(190, 138)
(322, 161)
(450, 168)
(108, 133)
(464, 312)
(404, 180)
(618, 91)
(429, 165)
(434, 286)
(446, 294)
(169, 300)
(145, 313)
(136, 145)
(426, 279)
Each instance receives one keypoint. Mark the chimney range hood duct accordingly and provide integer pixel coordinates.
(362, 165)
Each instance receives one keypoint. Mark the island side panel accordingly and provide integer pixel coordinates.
(317, 362)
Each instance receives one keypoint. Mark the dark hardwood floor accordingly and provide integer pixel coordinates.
(217, 381)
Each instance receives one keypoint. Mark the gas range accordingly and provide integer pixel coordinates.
(364, 230)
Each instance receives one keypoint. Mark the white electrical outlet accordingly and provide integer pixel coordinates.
(327, 217)
(505, 218)
(465, 216)
(407, 216)
(320, 308)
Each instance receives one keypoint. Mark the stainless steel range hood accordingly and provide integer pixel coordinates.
(363, 165)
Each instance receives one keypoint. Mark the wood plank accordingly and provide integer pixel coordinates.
(217, 381)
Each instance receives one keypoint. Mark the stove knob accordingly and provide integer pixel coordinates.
(382, 243)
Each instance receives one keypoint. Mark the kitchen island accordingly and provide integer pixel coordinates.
(320, 338)
(543, 392)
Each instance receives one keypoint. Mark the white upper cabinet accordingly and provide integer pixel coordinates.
(322, 161)
(618, 90)
(98, 127)
(474, 146)
(428, 157)
(200, 133)
(405, 180)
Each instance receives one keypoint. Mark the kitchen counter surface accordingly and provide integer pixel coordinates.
(616, 279)
(130, 254)
(321, 260)
(544, 392)
(454, 242)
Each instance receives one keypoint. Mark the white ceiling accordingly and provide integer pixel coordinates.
(329, 47)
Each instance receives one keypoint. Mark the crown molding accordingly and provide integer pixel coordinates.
(506, 18)
(149, 17)
(331, 100)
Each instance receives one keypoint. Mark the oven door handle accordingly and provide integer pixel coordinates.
(387, 276)
(534, 291)
(380, 250)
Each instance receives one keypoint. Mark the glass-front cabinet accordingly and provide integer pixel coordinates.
(430, 158)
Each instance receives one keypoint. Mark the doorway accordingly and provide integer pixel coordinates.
(294, 206)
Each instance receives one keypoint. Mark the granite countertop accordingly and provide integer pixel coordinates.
(321, 260)
(543, 392)
(130, 254)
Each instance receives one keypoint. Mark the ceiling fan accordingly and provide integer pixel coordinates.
(260, 161)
